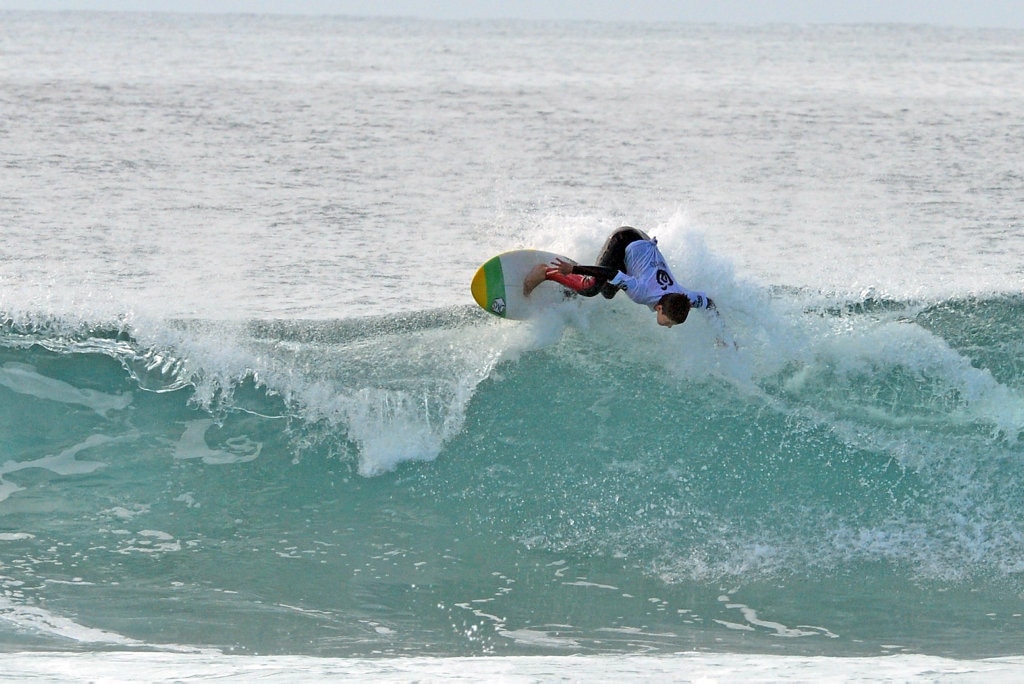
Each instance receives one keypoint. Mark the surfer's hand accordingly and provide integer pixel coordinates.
(564, 267)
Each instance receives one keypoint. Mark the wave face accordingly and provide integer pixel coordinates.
(444, 482)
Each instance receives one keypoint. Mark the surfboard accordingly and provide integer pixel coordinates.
(498, 285)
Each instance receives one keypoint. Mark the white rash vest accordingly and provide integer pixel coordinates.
(648, 278)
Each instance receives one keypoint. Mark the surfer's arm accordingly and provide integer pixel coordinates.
(700, 300)
(723, 338)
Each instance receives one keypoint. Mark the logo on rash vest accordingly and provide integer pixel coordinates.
(498, 306)
(663, 278)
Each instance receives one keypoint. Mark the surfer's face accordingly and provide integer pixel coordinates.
(663, 320)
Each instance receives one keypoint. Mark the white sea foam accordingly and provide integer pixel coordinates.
(684, 667)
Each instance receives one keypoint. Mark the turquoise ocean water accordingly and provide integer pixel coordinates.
(252, 423)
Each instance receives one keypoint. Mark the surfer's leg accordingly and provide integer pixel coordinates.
(573, 281)
(613, 255)
(542, 272)
(593, 287)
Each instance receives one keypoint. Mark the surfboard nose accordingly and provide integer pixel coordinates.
(488, 286)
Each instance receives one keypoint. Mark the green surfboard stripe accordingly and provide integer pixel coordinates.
(495, 282)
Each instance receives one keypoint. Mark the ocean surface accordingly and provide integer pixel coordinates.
(253, 425)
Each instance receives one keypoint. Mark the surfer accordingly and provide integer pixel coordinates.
(629, 261)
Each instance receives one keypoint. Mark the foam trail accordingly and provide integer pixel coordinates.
(64, 463)
(43, 621)
(25, 379)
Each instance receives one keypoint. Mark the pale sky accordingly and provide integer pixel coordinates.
(972, 13)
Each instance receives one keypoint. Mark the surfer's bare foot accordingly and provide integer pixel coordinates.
(534, 278)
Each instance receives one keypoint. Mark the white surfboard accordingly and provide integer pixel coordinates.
(498, 285)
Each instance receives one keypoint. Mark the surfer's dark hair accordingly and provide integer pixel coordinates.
(675, 306)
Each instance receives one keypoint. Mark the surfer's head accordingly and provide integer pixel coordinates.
(672, 309)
